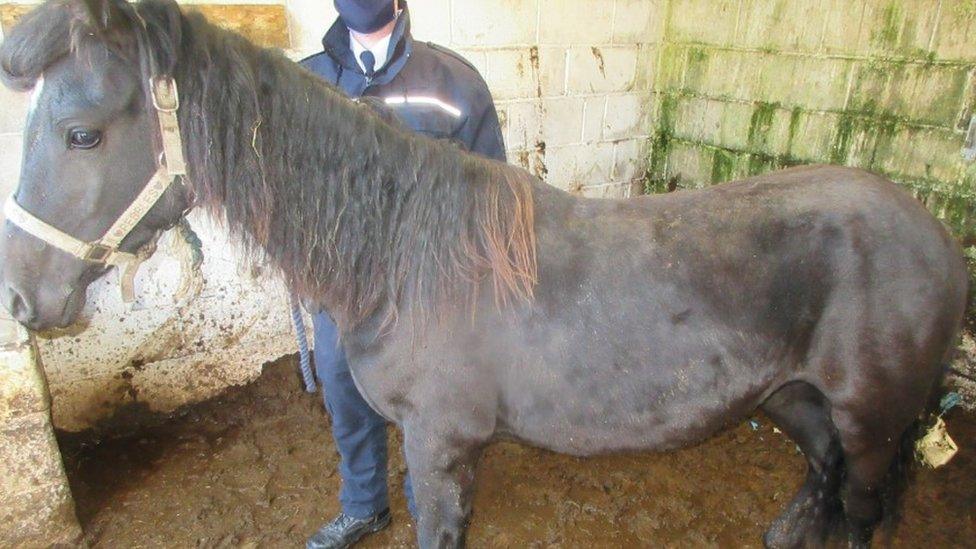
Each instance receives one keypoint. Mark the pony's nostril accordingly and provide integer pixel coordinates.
(19, 308)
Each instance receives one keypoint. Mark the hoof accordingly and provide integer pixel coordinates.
(859, 538)
(804, 524)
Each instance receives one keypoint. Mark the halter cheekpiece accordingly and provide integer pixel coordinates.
(105, 250)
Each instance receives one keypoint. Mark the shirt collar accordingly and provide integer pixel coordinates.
(380, 50)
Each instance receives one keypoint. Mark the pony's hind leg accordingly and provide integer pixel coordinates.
(876, 415)
(872, 442)
(802, 412)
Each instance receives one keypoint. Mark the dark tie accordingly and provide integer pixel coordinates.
(369, 63)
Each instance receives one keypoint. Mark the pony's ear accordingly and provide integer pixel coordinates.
(37, 40)
(106, 19)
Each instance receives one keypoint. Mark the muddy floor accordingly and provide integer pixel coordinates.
(257, 468)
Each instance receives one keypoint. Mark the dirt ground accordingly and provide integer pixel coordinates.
(257, 468)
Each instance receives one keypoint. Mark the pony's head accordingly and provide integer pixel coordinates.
(90, 146)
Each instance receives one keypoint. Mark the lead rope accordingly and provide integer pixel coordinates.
(304, 360)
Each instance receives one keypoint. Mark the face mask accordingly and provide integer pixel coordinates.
(365, 16)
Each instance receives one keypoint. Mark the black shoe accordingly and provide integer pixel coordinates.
(344, 530)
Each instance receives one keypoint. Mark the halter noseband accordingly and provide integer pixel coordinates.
(105, 250)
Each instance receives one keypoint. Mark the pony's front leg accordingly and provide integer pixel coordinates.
(441, 459)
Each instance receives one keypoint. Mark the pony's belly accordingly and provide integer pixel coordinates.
(589, 442)
(669, 421)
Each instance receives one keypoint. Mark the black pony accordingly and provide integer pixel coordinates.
(475, 301)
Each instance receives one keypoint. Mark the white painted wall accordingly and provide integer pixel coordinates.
(571, 80)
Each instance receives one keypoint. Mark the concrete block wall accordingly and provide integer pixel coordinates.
(576, 102)
(747, 86)
(572, 82)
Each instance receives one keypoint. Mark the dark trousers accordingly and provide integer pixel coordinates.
(359, 432)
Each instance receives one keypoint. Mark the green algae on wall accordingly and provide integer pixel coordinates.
(887, 33)
(723, 165)
(760, 124)
(903, 88)
(657, 177)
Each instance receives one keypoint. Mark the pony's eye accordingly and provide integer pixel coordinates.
(84, 139)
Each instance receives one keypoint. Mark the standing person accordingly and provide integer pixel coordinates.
(368, 52)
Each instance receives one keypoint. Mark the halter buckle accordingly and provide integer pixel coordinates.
(165, 96)
(98, 253)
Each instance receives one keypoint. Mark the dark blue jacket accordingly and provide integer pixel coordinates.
(432, 90)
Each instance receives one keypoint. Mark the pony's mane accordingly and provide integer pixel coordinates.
(358, 215)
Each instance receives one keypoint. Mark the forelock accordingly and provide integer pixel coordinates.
(42, 37)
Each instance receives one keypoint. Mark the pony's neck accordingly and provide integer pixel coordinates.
(358, 215)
